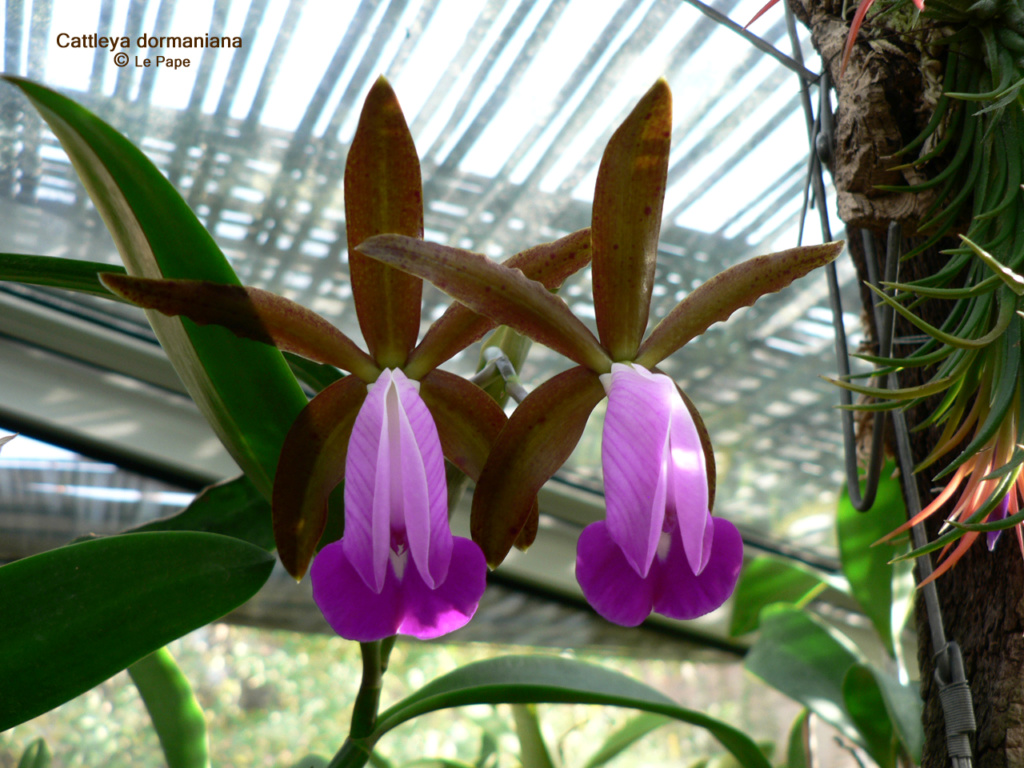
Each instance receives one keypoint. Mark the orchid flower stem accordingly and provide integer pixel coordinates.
(355, 752)
(364, 712)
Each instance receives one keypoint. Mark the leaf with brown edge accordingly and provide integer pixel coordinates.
(549, 264)
(312, 464)
(537, 440)
(468, 420)
(626, 223)
(529, 531)
(383, 193)
(250, 313)
(505, 295)
(739, 286)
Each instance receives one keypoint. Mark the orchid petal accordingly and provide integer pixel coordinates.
(250, 313)
(738, 286)
(383, 193)
(404, 604)
(609, 582)
(688, 484)
(354, 610)
(549, 264)
(682, 595)
(468, 421)
(626, 224)
(538, 438)
(395, 484)
(488, 288)
(705, 442)
(635, 456)
(312, 463)
(428, 613)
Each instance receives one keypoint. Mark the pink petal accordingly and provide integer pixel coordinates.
(367, 529)
(353, 608)
(395, 491)
(680, 594)
(619, 594)
(404, 605)
(609, 582)
(688, 484)
(424, 490)
(429, 613)
(634, 450)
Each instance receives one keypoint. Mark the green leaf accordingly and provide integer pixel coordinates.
(739, 286)
(537, 679)
(866, 567)
(866, 707)
(177, 717)
(56, 272)
(505, 295)
(537, 440)
(625, 737)
(74, 616)
(626, 223)
(903, 705)
(764, 581)
(36, 755)
(249, 313)
(383, 193)
(244, 389)
(798, 656)
(533, 751)
(312, 761)
(798, 746)
(231, 508)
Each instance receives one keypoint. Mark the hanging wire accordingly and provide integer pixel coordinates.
(954, 692)
(949, 674)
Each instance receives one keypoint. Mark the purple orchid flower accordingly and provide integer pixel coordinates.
(398, 569)
(386, 429)
(659, 548)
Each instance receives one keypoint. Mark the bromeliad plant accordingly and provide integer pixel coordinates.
(659, 548)
(971, 148)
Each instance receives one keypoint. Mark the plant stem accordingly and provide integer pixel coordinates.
(355, 752)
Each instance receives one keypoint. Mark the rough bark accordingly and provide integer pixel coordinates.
(884, 98)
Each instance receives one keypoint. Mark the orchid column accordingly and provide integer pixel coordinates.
(659, 548)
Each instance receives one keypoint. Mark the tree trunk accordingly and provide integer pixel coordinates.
(884, 99)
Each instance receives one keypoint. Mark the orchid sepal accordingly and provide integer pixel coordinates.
(250, 313)
(312, 464)
(549, 264)
(539, 436)
(628, 202)
(505, 295)
(739, 286)
(383, 193)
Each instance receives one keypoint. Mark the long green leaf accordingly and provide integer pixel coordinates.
(802, 659)
(177, 717)
(36, 755)
(74, 616)
(867, 568)
(243, 388)
(56, 272)
(231, 508)
(866, 707)
(764, 581)
(536, 679)
(625, 737)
